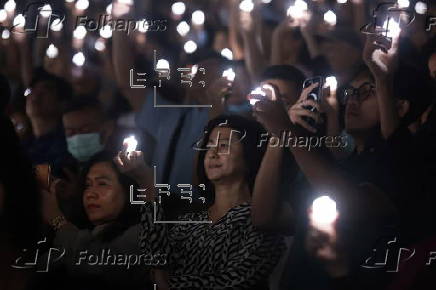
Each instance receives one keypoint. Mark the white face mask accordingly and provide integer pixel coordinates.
(84, 146)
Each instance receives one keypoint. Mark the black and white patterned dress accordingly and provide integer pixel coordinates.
(229, 254)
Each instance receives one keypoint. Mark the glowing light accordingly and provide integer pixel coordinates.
(324, 211)
(227, 53)
(69, 1)
(190, 47)
(332, 83)
(266, 1)
(6, 34)
(194, 70)
(131, 143)
(99, 45)
(297, 10)
(79, 59)
(342, 1)
(183, 28)
(142, 25)
(229, 74)
(46, 11)
(421, 7)
(80, 32)
(52, 51)
(198, 17)
(403, 3)
(3, 15)
(178, 8)
(56, 25)
(246, 6)
(27, 92)
(82, 4)
(106, 32)
(109, 9)
(10, 6)
(162, 64)
(392, 27)
(19, 20)
(126, 2)
(330, 17)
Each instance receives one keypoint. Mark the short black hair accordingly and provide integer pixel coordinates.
(63, 88)
(253, 153)
(83, 102)
(130, 213)
(286, 73)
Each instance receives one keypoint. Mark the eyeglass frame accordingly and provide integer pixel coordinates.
(356, 92)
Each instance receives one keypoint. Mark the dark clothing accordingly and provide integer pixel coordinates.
(48, 149)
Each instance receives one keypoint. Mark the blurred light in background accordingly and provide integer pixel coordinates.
(198, 17)
(178, 8)
(106, 31)
(142, 25)
(229, 74)
(46, 11)
(82, 4)
(56, 25)
(3, 15)
(246, 5)
(403, 3)
(342, 1)
(190, 47)
(109, 9)
(183, 28)
(79, 59)
(330, 18)
(52, 51)
(421, 7)
(19, 21)
(162, 64)
(297, 10)
(227, 53)
(10, 6)
(80, 32)
(6, 34)
(100, 45)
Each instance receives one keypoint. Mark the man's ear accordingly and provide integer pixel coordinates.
(403, 107)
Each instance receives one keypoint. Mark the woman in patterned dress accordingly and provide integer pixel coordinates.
(218, 248)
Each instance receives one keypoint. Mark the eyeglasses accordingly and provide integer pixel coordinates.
(361, 93)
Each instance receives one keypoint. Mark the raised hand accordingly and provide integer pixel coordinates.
(298, 111)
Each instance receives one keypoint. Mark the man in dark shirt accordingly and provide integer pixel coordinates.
(44, 99)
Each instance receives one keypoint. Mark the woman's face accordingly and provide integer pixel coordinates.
(224, 159)
(104, 197)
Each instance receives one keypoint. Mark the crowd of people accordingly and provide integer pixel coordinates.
(232, 144)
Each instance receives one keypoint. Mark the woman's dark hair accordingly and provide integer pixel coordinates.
(252, 150)
(287, 73)
(130, 213)
(20, 220)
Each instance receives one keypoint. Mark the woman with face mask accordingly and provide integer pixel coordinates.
(217, 248)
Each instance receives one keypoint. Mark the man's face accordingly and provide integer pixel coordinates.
(361, 113)
(85, 121)
(43, 100)
(289, 92)
(432, 66)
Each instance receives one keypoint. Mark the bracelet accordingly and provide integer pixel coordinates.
(58, 222)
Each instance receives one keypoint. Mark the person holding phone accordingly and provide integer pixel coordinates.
(217, 248)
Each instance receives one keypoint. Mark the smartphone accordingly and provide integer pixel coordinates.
(256, 95)
(315, 95)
